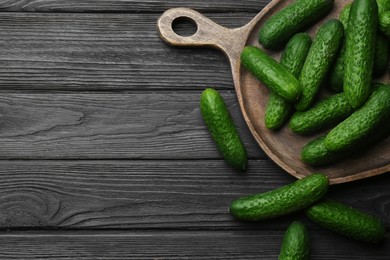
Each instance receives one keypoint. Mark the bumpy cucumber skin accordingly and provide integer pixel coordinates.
(293, 58)
(277, 111)
(295, 53)
(360, 51)
(384, 23)
(315, 153)
(222, 129)
(282, 201)
(381, 55)
(272, 74)
(280, 27)
(324, 49)
(327, 112)
(347, 221)
(383, 5)
(363, 121)
(336, 77)
(296, 244)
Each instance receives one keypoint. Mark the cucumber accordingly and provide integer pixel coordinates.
(324, 49)
(383, 5)
(295, 53)
(282, 201)
(272, 74)
(222, 129)
(293, 57)
(384, 23)
(381, 58)
(337, 70)
(360, 50)
(296, 244)
(327, 112)
(362, 122)
(315, 153)
(294, 18)
(347, 221)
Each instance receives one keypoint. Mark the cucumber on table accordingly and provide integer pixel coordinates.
(222, 129)
(293, 58)
(325, 113)
(360, 51)
(272, 74)
(293, 197)
(296, 244)
(347, 221)
(294, 18)
(362, 122)
(323, 51)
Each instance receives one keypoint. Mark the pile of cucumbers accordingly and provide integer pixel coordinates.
(346, 56)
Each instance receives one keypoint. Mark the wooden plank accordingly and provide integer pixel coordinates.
(177, 245)
(150, 125)
(126, 6)
(105, 52)
(187, 195)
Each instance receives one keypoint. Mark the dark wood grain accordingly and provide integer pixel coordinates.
(149, 125)
(105, 52)
(177, 245)
(145, 195)
(126, 6)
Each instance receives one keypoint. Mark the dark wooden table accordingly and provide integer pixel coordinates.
(103, 151)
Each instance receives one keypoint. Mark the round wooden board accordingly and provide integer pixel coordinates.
(283, 147)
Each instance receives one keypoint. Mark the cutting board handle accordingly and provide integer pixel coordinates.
(208, 33)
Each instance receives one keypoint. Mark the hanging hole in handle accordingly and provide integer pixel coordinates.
(184, 26)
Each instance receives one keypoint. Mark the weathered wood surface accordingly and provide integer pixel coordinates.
(147, 125)
(177, 245)
(105, 52)
(153, 194)
(102, 144)
(126, 6)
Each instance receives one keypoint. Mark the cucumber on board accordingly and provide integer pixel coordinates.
(293, 197)
(296, 244)
(294, 18)
(323, 51)
(293, 57)
(360, 51)
(222, 129)
(362, 122)
(271, 73)
(336, 75)
(347, 221)
(327, 112)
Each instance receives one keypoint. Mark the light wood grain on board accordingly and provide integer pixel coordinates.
(177, 245)
(153, 194)
(104, 52)
(124, 6)
(149, 125)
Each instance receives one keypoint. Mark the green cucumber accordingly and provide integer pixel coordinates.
(347, 221)
(222, 129)
(324, 49)
(296, 244)
(360, 51)
(337, 70)
(294, 18)
(293, 58)
(272, 74)
(362, 122)
(384, 23)
(325, 113)
(282, 201)
(383, 5)
(315, 153)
